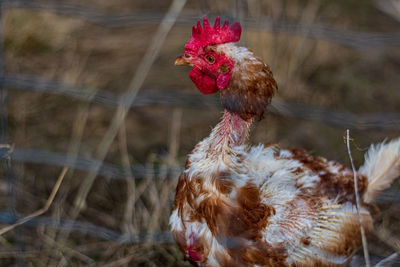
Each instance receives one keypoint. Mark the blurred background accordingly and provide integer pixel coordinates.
(91, 85)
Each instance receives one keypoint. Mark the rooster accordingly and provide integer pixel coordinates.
(237, 205)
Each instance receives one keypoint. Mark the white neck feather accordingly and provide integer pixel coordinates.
(220, 150)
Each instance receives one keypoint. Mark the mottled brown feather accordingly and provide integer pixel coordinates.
(249, 97)
(222, 181)
(332, 185)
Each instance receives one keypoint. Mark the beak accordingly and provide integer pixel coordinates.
(183, 61)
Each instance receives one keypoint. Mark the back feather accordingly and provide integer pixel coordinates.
(382, 166)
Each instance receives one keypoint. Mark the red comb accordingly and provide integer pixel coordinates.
(216, 35)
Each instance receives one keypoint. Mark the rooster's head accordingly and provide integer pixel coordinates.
(245, 82)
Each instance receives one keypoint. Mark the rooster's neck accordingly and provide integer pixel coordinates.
(230, 132)
(225, 148)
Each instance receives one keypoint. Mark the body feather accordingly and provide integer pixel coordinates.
(382, 167)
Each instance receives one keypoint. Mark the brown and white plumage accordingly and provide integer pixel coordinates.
(237, 205)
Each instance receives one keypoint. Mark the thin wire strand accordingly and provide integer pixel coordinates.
(354, 39)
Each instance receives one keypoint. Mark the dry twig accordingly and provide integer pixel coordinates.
(64, 249)
(42, 210)
(387, 237)
(390, 7)
(120, 262)
(363, 237)
(128, 226)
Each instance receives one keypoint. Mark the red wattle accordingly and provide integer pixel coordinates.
(194, 255)
(204, 83)
(191, 249)
(223, 80)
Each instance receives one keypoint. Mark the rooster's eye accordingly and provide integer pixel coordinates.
(210, 59)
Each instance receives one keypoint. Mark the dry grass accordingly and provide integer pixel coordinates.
(78, 52)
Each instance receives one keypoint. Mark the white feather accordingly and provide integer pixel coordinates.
(382, 166)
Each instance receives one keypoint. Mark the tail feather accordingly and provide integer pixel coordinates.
(382, 166)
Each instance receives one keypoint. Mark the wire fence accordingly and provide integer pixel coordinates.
(355, 39)
(90, 229)
(171, 98)
(153, 97)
